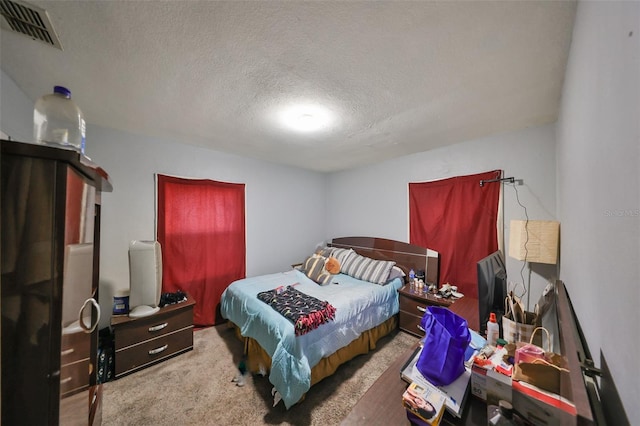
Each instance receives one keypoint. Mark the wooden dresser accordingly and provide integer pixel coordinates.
(141, 342)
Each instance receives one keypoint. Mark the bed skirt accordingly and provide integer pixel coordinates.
(258, 361)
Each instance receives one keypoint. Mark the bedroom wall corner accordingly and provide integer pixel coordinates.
(373, 200)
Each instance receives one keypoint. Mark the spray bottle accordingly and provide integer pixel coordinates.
(493, 330)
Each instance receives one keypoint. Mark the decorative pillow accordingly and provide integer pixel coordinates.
(395, 272)
(324, 251)
(332, 266)
(367, 269)
(342, 254)
(314, 268)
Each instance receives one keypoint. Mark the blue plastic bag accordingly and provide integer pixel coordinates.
(446, 339)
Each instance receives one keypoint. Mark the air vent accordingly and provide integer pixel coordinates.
(29, 20)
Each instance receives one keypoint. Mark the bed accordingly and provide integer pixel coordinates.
(364, 312)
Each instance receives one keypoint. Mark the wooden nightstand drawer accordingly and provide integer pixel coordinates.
(410, 323)
(74, 377)
(75, 346)
(412, 306)
(152, 327)
(151, 351)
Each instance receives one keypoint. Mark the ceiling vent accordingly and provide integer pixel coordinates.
(29, 20)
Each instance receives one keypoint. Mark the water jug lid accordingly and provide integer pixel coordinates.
(62, 90)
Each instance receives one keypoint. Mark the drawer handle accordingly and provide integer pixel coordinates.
(421, 308)
(67, 352)
(65, 381)
(420, 328)
(158, 350)
(158, 327)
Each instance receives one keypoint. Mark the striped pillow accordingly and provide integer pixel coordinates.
(342, 254)
(367, 269)
(324, 251)
(314, 268)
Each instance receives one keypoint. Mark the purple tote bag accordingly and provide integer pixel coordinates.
(446, 339)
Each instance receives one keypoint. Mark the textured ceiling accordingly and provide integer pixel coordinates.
(399, 77)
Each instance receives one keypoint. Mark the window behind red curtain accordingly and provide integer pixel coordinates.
(201, 229)
(456, 217)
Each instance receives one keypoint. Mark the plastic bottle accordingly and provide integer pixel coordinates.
(58, 120)
(493, 330)
(501, 414)
(412, 277)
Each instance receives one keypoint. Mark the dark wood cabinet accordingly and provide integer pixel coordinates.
(50, 258)
(413, 305)
(141, 342)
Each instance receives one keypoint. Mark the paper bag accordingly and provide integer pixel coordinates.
(517, 324)
(547, 372)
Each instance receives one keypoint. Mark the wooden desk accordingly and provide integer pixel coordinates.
(382, 404)
(467, 308)
(141, 342)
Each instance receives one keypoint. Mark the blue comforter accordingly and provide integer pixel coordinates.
(360, 305)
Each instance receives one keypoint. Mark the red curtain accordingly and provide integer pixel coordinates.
(201, 229)
(456, 217)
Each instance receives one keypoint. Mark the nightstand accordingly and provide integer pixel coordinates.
(413, 304)
(141, 342)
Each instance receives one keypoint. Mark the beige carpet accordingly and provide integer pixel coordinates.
(195, 388)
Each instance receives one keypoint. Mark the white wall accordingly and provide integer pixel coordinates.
(281, 201)
(373, 200)
(284, 205)
(16, 110)
(598, 156)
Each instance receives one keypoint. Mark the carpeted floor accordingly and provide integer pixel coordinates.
(195, 388)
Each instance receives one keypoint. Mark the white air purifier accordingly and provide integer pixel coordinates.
(145, 278)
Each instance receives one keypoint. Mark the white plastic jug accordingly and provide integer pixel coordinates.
(58, 120)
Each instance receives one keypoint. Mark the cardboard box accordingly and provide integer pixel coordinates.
(541, 407)
(489, 385)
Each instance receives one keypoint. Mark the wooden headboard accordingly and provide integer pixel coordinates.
(407, 256)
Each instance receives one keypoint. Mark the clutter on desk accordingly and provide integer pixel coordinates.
(522, 376)
(447, 291)
(525, 375)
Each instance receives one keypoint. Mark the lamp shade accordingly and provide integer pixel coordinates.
(534, 240)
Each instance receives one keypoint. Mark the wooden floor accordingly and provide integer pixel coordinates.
(382, 403)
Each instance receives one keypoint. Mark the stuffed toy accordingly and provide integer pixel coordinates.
(332, 266)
